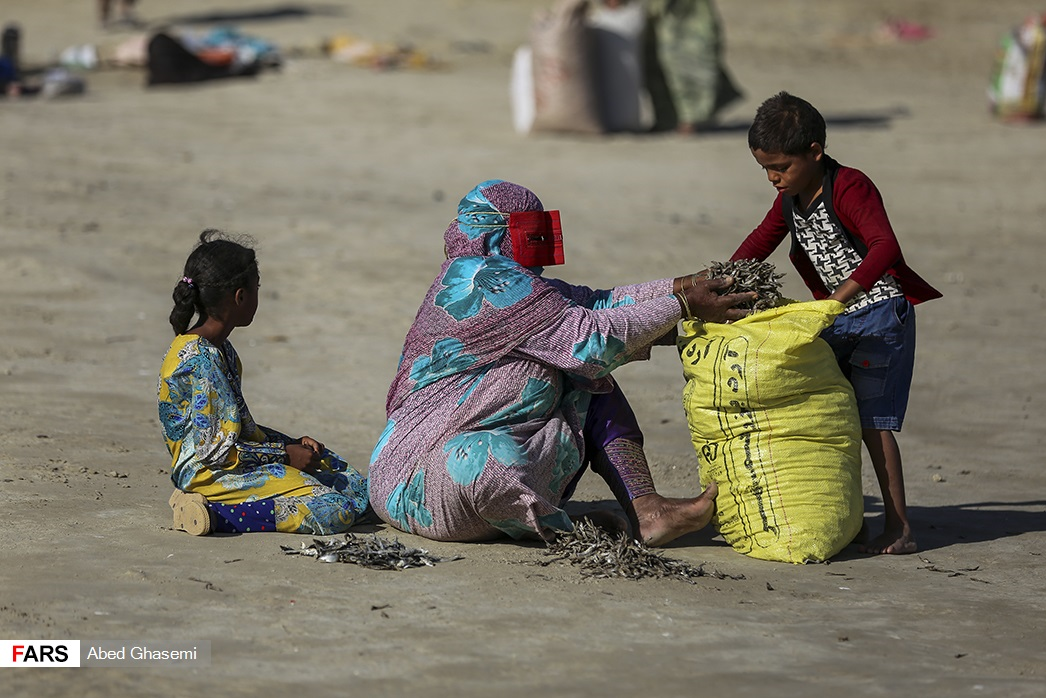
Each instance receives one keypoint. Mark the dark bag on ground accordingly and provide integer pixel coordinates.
(169, 62)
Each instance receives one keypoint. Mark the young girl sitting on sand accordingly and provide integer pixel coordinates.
(230, 474)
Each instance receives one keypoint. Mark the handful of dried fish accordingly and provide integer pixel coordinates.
(750, 275)
(602, 556)
(368, 551)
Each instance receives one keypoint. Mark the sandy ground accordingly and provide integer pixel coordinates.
(347, 177)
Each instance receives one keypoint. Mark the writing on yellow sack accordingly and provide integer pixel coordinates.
(775, 426)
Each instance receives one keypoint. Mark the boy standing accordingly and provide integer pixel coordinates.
(844, 249)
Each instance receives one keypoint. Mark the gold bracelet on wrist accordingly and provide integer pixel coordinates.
(686, 305)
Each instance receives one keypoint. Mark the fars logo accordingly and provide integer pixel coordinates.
(39, 653)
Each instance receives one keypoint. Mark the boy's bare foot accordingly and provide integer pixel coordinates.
(892, 542)
(662, 520)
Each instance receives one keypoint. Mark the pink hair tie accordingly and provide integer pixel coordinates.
(187, 280)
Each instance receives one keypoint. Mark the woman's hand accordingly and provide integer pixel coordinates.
(698, 295)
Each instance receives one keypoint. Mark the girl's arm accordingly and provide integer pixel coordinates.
(263, 445)
(216, 430)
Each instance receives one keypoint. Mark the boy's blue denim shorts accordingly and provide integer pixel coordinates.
(875, 347)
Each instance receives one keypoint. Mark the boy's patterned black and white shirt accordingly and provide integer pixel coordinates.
(835, 259)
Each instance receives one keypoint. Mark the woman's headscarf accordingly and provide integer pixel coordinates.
(481, 228)
(483, 303)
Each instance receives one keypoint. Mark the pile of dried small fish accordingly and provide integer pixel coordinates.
(368, 551)
(603, 556)
(750, 275)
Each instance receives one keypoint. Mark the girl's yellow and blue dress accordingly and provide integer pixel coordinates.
(219, 451)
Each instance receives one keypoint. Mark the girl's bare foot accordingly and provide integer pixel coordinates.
(662, 520)
(892, 542)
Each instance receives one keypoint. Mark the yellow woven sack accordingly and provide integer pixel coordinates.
(775, 426)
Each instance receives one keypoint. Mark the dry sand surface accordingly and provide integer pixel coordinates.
(347, 177)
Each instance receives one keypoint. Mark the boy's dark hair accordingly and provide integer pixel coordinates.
(786, 124)
(216, 268)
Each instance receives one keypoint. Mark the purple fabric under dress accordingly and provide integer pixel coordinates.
(485, 414)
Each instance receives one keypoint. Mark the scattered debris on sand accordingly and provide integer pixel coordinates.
(603, 556)
(368, 551)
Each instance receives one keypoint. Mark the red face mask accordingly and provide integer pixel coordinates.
(537, 238)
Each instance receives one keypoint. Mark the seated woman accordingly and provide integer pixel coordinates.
(504, 390)
(230, 474)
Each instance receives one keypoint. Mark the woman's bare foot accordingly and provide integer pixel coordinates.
(662, 520)
(892, 542)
